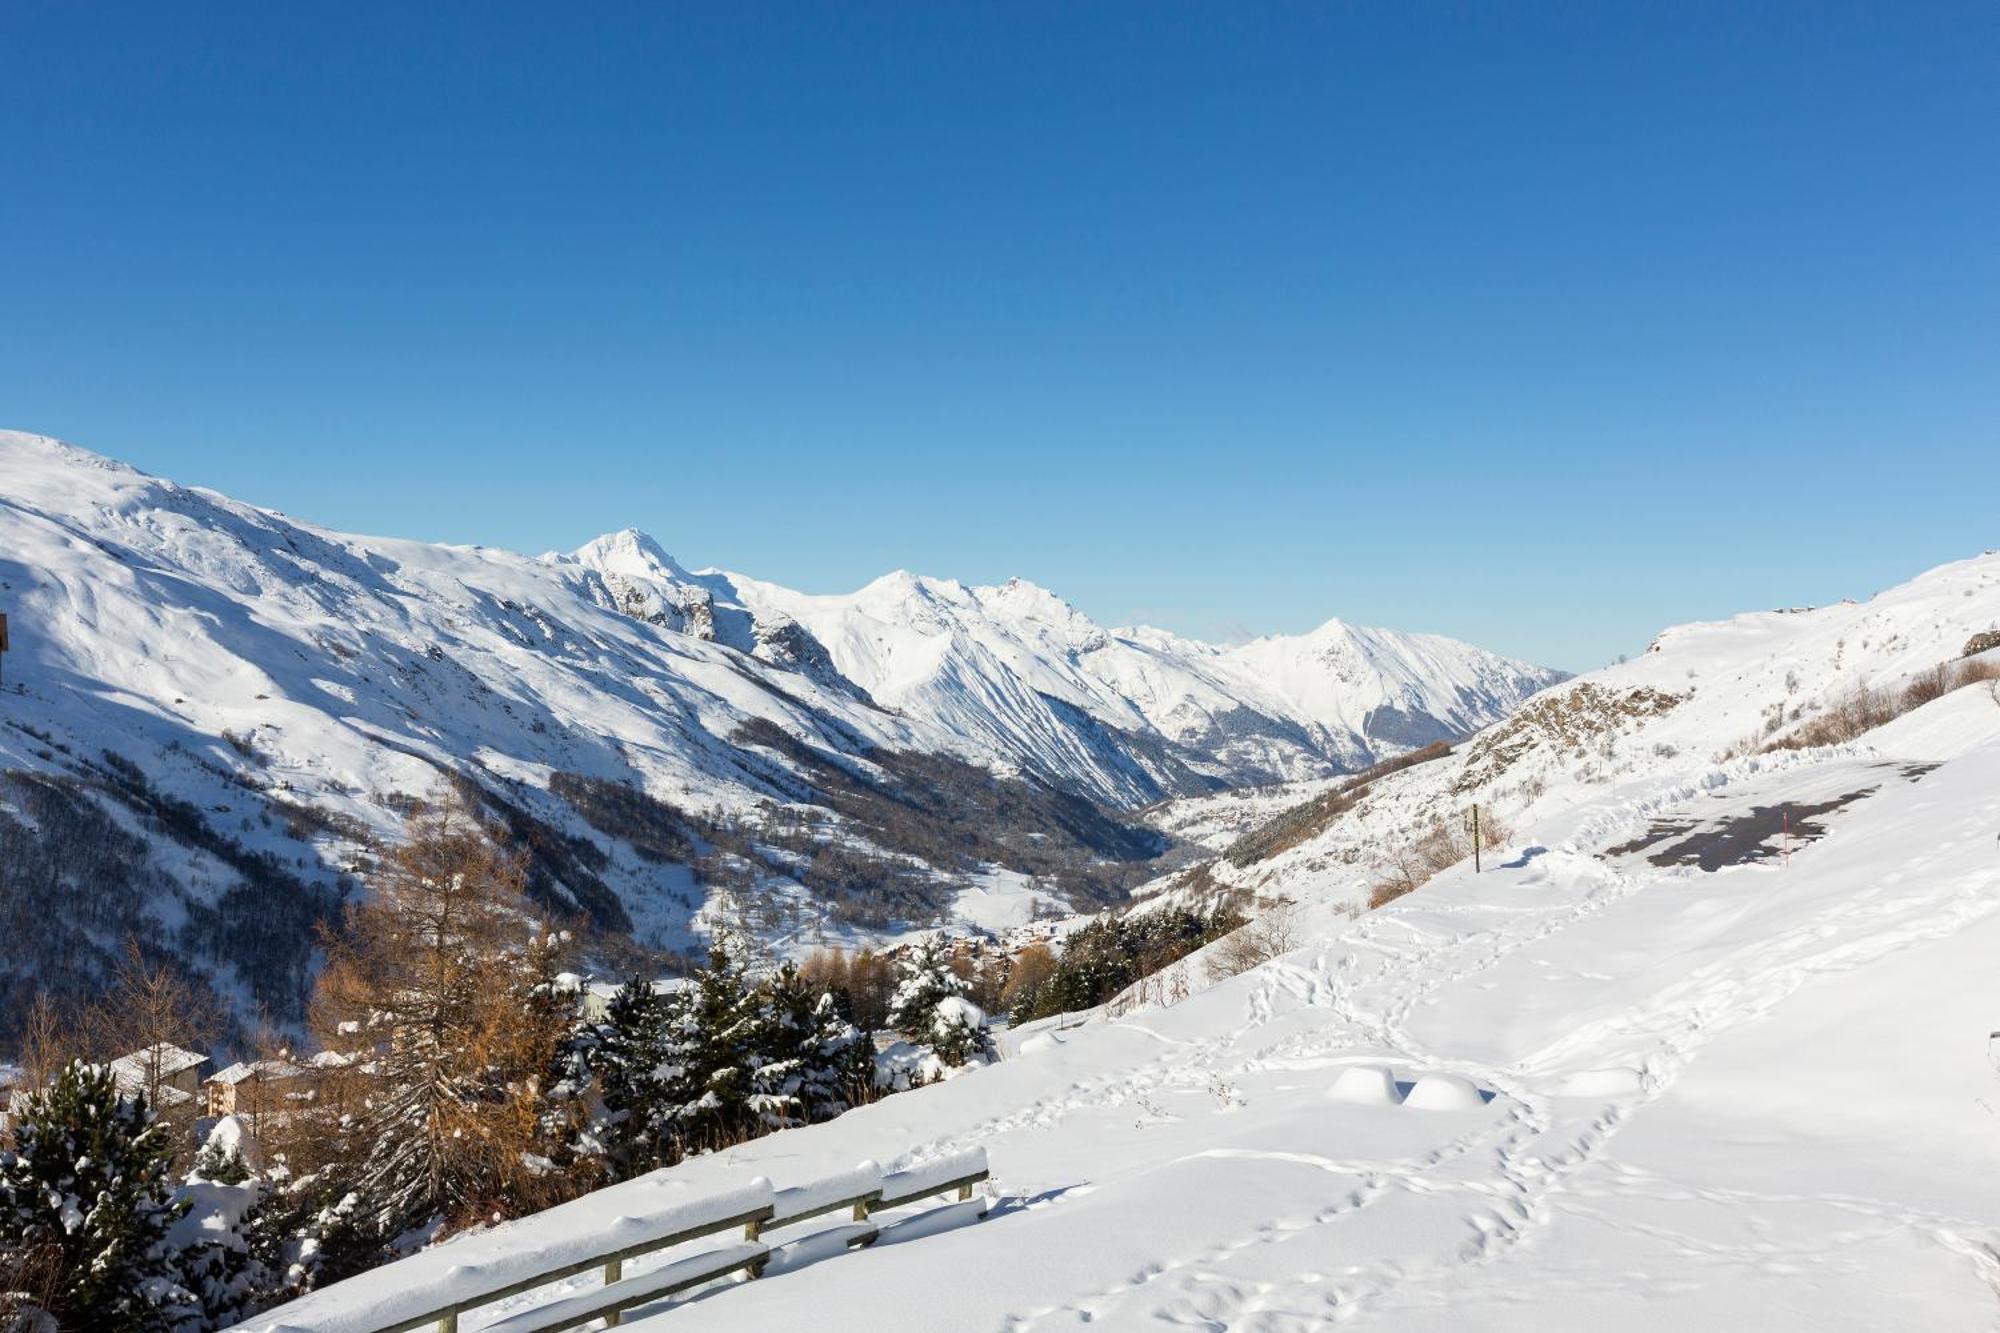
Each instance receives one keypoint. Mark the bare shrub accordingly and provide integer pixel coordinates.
(1929, 685)
(1388, 891)
(1272, 932)
(1446, 844)
(1974, 670)
(1854, 713)
(1861, 709)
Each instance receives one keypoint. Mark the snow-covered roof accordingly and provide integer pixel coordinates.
(663, 986)
(160, 1060)
(244, 1070)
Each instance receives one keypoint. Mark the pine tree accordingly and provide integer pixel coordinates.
(706, 1066)
(930, 1007)
(783, 1047)
(227, 1251)
(925, 978)
(842, 1070)
(88, 1184)
(621, 1055)
(958, 1031)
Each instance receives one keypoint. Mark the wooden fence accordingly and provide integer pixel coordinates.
(862, 1193)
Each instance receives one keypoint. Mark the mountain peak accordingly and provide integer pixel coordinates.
(632, 553)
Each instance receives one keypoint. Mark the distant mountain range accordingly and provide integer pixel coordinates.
(220, 709)
(1020, 677)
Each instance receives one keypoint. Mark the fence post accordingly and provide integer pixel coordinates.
(862, 1208)
(754, 1230)
(965, 1191)
(613, 1271)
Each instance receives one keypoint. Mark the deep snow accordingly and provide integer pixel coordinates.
(1605, 1094)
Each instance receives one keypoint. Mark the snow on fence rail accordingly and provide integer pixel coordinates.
(603, 1230)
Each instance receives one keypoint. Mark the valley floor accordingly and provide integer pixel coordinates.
(1754, 1097)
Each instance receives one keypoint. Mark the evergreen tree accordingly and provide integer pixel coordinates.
(842, 1069)
(706, 1065)
(227, 1251)
(88, 1183)
(780, 1050)
(958, 1031)
(925, 979)
(622, 1054)
(815, 1062)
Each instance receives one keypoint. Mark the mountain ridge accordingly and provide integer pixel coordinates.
(244, 705)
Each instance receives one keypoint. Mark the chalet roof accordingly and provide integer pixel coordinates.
(662, 986)
(244, 1070)
(160, 1060)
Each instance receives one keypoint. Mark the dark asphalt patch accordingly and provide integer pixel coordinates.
(1658, 832)
(1738, 839)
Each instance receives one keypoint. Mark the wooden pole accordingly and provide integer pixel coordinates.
(1475, 838)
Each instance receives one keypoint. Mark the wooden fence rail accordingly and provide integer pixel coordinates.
(863, 1192)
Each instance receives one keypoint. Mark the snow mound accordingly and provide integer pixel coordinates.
(1445, 1092)
(1366, 1085)
(1041, 1041)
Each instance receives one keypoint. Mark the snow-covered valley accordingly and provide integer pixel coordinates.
(1612, 1094)
(1701, 1041)
(1700, 1038)
(213, 714)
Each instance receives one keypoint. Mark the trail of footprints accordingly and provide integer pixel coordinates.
(1535, 1152)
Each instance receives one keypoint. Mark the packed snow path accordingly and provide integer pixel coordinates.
(1577, 1091)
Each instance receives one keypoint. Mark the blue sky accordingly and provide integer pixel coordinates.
(1542, 325)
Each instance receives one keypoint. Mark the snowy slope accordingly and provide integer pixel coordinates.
(1612, 1095)
(1695, 708)
(211, 709)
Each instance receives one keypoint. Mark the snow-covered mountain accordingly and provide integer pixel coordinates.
(1702, 1044)
(1707, 704)
(1127, 715)
(212, 710)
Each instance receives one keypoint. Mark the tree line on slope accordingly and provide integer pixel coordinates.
(457, 1080)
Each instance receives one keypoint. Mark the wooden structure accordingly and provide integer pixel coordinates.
(863, 1194)
(253, 1089)
(164, 1072)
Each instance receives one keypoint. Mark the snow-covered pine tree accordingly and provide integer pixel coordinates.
(780, 1048)
(925, 977)
(88, 1185)
(705, 1070)
(842, 1067)
(225, 1249)
(623, 1053)
(816, 1063)
(523, 1037)
(958, 1031)
(930, 1007)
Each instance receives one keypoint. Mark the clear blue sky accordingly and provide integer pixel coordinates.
(1538, 325)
